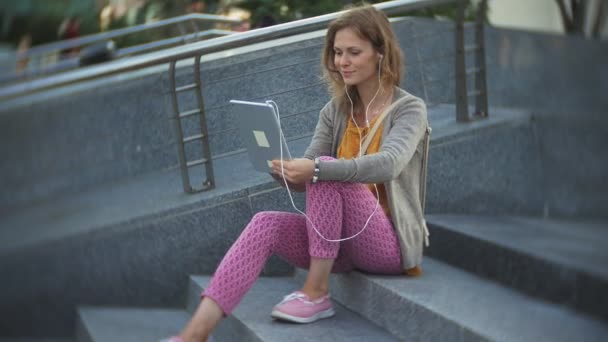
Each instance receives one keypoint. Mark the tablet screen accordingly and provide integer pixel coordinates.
(260, 132)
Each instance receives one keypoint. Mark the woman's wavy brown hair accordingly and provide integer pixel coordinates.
(372, 25)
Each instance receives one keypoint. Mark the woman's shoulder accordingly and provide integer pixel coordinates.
(408, 102)
(332, 107)
(408, 109)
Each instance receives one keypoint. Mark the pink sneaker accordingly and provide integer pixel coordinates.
(297, 307)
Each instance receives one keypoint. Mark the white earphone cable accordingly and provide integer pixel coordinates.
(281, 136)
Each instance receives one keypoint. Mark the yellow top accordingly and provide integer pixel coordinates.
(349, 148)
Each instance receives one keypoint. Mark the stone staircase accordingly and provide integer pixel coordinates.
(99, 243)
(492, 277)
(446, 304)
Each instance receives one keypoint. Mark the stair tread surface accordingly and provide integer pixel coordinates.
(152, 194)
(576, 243)
(131, 324)
(254, 311)
(484, 307)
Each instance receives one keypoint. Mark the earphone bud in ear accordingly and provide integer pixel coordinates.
(380, 56)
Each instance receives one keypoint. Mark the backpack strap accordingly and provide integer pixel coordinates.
(368, 138)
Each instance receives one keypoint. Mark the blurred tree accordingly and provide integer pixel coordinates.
(580, 17)
(445, 11)
(41, 18)
(288, 10)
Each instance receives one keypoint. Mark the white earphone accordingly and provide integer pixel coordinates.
(276, 107)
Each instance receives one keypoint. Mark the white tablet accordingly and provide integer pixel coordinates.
(260, 131)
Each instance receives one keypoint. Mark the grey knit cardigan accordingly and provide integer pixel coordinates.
(398, 164)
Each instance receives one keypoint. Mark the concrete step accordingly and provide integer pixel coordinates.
(153, 196)
(104, 324)
(115, 235)
(251, 320)
(560, 260)
(159, 194)
(101, 247)
(448, 304)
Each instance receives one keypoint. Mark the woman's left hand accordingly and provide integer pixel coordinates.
(297, 171)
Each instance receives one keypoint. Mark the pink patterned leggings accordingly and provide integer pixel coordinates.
(338, 210)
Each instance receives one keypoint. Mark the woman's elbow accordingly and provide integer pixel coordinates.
(384, 175)
(394, 173)
(394, 168)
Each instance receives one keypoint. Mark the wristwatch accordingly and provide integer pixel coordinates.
(315, 175)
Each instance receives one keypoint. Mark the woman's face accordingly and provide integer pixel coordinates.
(355, 58)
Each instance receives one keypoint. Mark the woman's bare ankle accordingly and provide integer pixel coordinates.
(205, 319)
(314, 293)
(193, 337)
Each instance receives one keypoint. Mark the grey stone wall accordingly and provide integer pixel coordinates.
(564, 82)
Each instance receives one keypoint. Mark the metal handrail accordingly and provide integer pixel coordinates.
(163, 43)
(201, 48)
(73, 62)
(71, 43)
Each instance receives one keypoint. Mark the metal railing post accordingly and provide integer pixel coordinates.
(462, 105)
(481, 103)
(179, 134)
(209, 182)
(203, 136)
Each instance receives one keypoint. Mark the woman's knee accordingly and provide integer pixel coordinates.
(259, 230)
(261, 220)
(269, 223)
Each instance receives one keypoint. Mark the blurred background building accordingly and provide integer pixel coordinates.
(545, 16)
(41, 19)
(30, 23)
